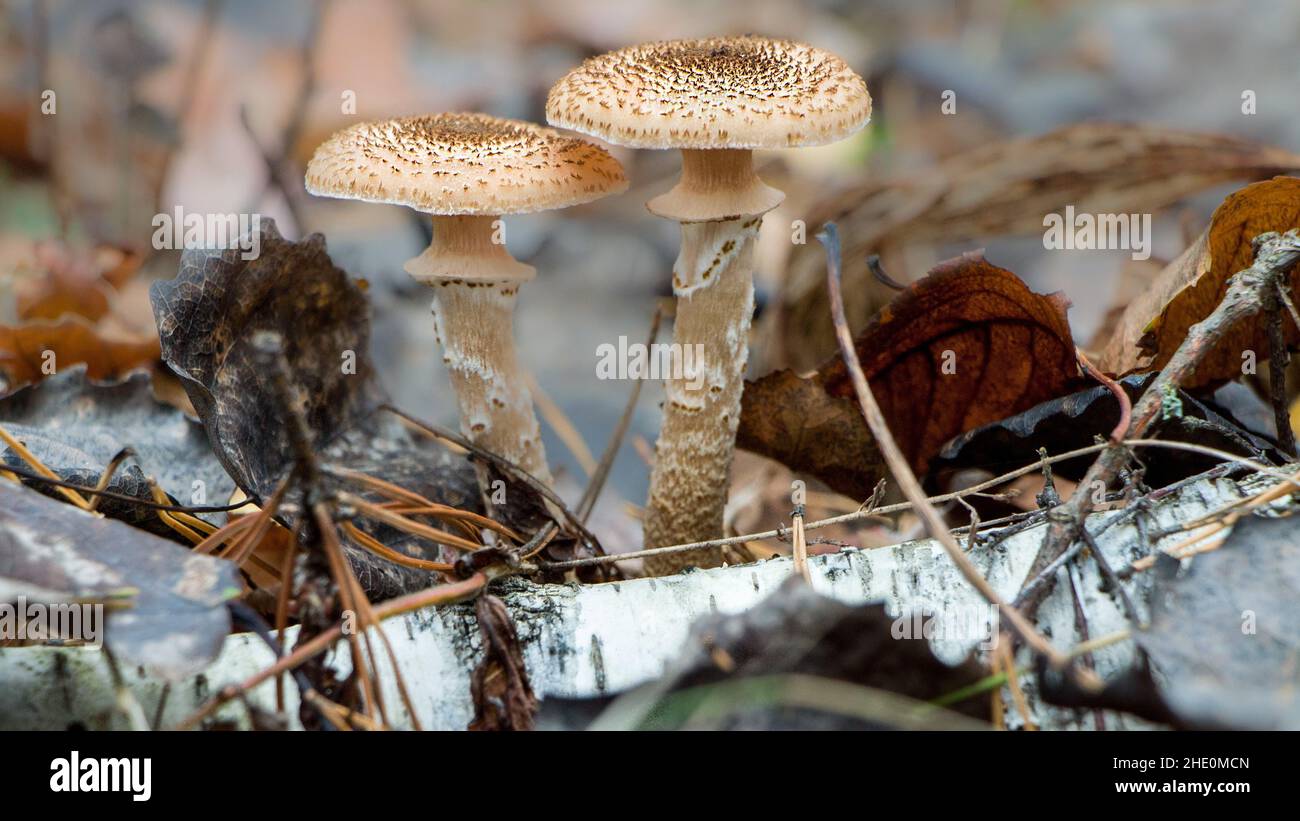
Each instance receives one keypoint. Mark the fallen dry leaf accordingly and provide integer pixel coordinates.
(176, 621)
(967, 345)
(1075, 421)
(1222, 631)
(1001, 189)
(1221, 638)
(74, 281)
(1189, 288)
(32, 351)
(75, 426)
(796, 422)
(209, 317)
(1135, 278)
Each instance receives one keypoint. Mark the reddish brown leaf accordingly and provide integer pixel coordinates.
(796, 422)
(967, 345)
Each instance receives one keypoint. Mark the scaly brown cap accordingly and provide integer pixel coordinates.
(723, 92)
(462, 164)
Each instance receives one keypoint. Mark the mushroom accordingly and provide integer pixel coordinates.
(716, 100)
(466, 170)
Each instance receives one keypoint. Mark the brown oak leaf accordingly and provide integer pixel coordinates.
(967, 345)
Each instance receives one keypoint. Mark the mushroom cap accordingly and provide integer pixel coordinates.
(723, 92)
(462, 164)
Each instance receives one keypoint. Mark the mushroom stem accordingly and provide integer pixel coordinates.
(714, 285)
(475, 282)
(720, 203)
(716, 184)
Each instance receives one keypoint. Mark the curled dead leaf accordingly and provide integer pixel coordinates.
(209, 319)
(1189, 288)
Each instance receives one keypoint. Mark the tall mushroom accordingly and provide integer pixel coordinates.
(716, 100)
(466, 170)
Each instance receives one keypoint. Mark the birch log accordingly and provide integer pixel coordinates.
(588, 640)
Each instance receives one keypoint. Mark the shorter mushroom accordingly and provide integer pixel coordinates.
(466, 170)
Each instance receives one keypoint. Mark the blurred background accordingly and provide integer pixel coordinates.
(215, 106)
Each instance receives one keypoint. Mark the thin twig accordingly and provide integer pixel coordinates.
(504, 465)
(1290, 305)
(597, 482)
(539, 541)
(866, 512)
(1117, 390)
(902, 471)
(1278, 359)
(799, 545)
(1235, 462)
(1081, 626)
(878, 271)
(563, 427)
(1108, 573)
(972, 529)
(1013, 683)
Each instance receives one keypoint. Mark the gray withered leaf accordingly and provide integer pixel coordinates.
(175, 618)
(208, 317)
(75, 426)
(1223, 632)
